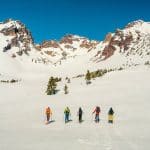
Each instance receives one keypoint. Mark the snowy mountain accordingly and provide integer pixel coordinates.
(68, 47)
(15, 37)
(128, 46)
(124, 48)
(132, 42)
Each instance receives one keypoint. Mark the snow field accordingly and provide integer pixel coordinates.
(22, 115)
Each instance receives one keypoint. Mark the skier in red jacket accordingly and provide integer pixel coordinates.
(97, 112)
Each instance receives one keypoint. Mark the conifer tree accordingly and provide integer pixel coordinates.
(51, 87)
(88, 77)
(66, 89)
(68, 80)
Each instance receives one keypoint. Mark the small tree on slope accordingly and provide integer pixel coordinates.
(51, 87)
(88, 77)
(66, 89)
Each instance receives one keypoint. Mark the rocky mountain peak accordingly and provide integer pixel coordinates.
(18, 36)
(51, 43)
(132, 40)
(136, 23)
(69, 39)
(108, 38)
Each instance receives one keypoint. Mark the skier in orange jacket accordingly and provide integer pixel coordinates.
(48, 113)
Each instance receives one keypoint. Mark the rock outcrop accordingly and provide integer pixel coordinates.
(21, 36)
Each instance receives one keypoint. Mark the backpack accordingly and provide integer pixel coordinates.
(97, 109)
(48, 110)
(111, 112)
(67, 111)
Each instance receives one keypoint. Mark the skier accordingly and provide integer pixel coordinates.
(97, 112)
(80, 112)
(48, 114)
(110, 115)
(67, 114)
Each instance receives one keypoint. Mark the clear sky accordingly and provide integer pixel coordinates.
(52, 19)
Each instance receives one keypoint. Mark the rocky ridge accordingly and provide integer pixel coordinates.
(133, 40)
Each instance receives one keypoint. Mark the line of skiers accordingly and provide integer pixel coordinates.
(67, 114)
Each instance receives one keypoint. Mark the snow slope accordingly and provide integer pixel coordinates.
(22, 113)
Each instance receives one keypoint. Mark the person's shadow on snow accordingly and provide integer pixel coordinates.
(51, 121)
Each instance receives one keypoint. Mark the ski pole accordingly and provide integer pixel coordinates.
(63, 118)
(51, 118)
(70, 117)
(92, 117)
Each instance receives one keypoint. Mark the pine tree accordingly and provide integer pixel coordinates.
(68, 80)
(51, 87)
(88, 77)
(66, 89)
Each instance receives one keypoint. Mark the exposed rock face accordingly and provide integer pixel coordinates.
(108, 38)
(38, 47)
(88, 44)
(121, 40)
(21, 36)
(50, 53)
(108, 51)
(11, 31)
(118, 40)
(47, 44)
(125, 41)
(68, 46)
(134, 39)
(68, 39)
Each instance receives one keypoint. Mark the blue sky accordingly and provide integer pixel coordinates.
(52, 19)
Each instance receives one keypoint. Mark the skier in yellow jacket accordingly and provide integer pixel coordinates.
(110, 115)
(67, 114)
